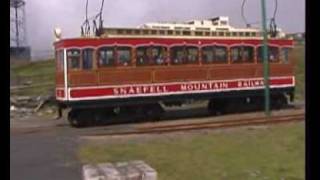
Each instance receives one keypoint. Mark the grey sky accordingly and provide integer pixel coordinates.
(43, 16)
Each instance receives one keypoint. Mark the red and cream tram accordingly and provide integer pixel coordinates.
(146, 68)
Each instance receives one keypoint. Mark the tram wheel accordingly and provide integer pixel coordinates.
(78, 118)
(278, 101)
(216, 107)
(153, 111)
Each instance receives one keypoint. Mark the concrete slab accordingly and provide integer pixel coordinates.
(132, 170)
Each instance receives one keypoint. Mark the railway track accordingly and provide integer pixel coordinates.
(158, 129)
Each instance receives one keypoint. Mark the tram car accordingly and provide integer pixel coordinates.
(145, 68)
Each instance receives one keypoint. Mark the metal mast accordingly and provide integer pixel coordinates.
(265, 59)
(17, 23)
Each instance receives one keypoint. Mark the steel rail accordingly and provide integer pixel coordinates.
(207, 125)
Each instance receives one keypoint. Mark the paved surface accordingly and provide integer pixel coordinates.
(44, 156)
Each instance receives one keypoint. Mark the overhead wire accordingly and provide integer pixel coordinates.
(85, 27)
(242, 13)
(273, 25)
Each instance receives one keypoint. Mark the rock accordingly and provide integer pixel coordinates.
(134, 170)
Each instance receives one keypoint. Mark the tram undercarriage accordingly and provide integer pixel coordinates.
(82, 115)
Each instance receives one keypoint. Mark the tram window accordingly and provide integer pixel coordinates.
(227, 33)
(161, 32)
(214, 33)
(128, 31)
(247, 33)
(207, 33)
(120, 31)
(247, 53)
(177, 55)
(106, 56)
(184, 55)
(124, 55)
(198, 33)
(221, 33)
(285, 55)
(192, 55)
(141, 55)
(73, 57)
(151, 55)
(186, 33)
(170, 32)
(153, 32)
(240, 33)
(236, 54)
(221, 54)
(273, 54)
(234, 33)
(208, 54)
(145, 32)
(87, 58)
(178, 32)
(136, 31)
(242, 54)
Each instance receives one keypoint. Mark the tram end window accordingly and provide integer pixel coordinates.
(284, 56)
(87, 59)
(73, 58)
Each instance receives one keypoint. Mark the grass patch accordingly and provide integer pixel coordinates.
(40, 72)
(273, 153)
(298, 57)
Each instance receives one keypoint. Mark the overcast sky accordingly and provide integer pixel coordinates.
(44, 15)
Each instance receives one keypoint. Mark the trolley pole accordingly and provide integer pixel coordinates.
(265, 60)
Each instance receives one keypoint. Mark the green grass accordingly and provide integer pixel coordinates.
(41, 72)
(298, 56)
(273, 153)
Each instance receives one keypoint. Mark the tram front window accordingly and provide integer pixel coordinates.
(87, 59)
(73, 57)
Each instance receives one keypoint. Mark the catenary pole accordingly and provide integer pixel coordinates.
(265, 60)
